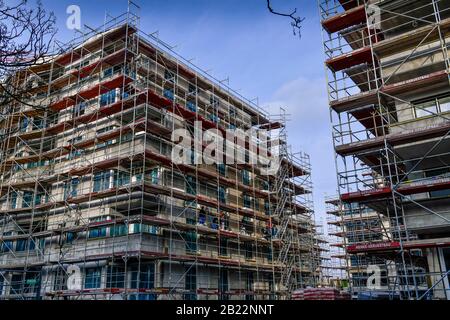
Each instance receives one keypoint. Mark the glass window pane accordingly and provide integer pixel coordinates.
(93, 278)
(444, 104)
(426, 109)
(27, 199)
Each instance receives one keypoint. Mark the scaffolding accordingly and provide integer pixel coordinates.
(92, 205)
(337, 262)
(329, 273)
(388, 68)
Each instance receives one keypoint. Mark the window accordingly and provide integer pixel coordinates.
(24, 124)
(223, 284)
(222, 195)
(97, 232)
(267, 207)
(191, 220)
(118, 230)
(269, 254)
(221, 168)
(47, 197)
(143, 228)
(249, 248)
(214, 101)
(21, 245)
(135, 228)
(38, 124)
(191, 283)
(102, 131)
(444, 104)
(105, 129)
(84, 63)
(32, 282)
(232, 112)
(27, 199)
(101, 181)
(38, 199)
(192, 89)
(143, 278)
(31, 244)
(66, 190)
(115, 277)
(108, 72)
(154, 175)
(224, 219)
(191, 106)
(249, 285)
(121, 179)
(16, 284)
(223, 250)
(169, 76)
(247, 225)
(93, 278)
(70, 236)
(79, 109)
(445, 172)
(426, 109)
(73, 154)
(6, 245)
(193, 156)
(191, 242)
(75, 140)
(247, 201)
(168, 93)
(36, 164)
(108, 98)
(255, 204)
(191, 185)
(146, 277)
(214, 118)
(71, 188)
(245, 177)
(138, 174)
(213, 222)
(13, 200)
(247, 156)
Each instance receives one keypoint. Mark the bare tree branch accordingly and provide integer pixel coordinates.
(296, 20)
(26, 37)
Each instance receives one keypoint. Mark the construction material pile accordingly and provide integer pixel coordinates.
(320, 294)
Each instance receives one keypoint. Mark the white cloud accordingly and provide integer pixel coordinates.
(309, 130)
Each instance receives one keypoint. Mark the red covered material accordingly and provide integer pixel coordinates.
(344, 20)
(320, 294)
(351, 59)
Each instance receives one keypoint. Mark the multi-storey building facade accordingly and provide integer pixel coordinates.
(388, 82)
(358, 225)
(93, 206)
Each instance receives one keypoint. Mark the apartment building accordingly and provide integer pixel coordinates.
(387, 68)
(92, 205)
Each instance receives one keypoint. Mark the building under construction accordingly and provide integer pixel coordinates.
(387, 64)
(93, 207)
(337, 258)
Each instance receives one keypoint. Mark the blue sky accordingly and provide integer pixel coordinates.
(255, 49)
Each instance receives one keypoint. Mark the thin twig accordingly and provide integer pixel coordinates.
(296, 20)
